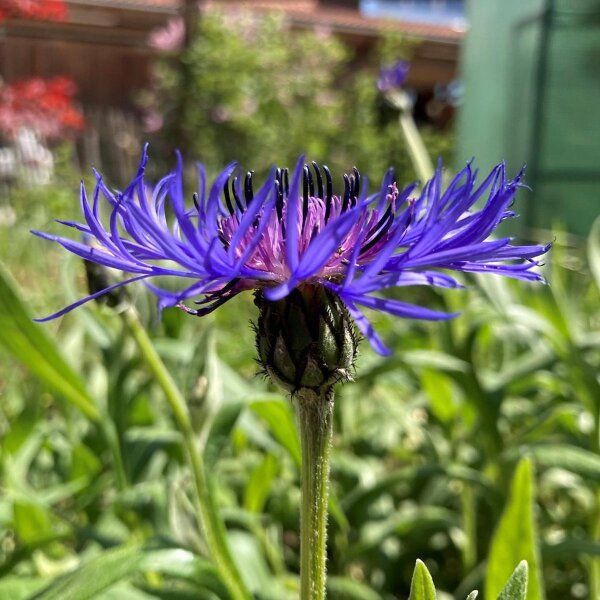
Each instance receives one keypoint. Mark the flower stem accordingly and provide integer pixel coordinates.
(208, 514)
(315, 419)
(416, 148)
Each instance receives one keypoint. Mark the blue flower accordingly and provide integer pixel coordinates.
(295, 231)
(393, 77)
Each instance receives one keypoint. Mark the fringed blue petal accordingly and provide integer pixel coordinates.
(69, 308)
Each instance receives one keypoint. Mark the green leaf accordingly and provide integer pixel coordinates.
(573, 459)
(95, 575)
(421, 586)
(29, 344)
(344, 588)
(516, 588)
(433, 359)
(250, 559)
(570, 547)
(32, 522)
(515, 537)
(259, 484)
(279, 416)
(438, 388)
(220, 431)
(20, 588)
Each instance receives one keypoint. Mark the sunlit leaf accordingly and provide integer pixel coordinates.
(20, 588)
(516, 588)
(515, 537)
(29, 343)
(421, 587)
(574, 459)
(96, 575)
(32, 522)
(279, 417)
(259, 484)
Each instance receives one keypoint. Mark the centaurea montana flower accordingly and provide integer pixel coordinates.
(295, 233)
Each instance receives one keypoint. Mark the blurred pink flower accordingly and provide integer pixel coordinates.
(153, 121)
(170, 37)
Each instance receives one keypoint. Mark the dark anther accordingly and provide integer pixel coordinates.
(227, 197)
(356, 190)
(211, 296)
(235, 190)
(319, 179)
(279, 201)
(380, 229)
(311, 184)
(248, 192)
(224, 241)
(286, 182)
(329, 196)
(305, 185)
(196, 202)
(352, 186)
(346, 200)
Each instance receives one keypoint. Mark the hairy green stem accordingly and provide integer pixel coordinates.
(315, 419)
(212, 525)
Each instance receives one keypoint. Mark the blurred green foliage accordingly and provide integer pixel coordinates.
(249, 89)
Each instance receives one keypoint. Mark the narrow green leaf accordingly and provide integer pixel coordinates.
(20, 588)
(571, 458)
(259, 484)
(251, 561)
(349, 589)
(421, 586)
(515, 537)
(29, 344)
(434, 359)
(95, 576)
(280, 419)
(570, 547)
(516, 588)
(438, 388)
(220, 431)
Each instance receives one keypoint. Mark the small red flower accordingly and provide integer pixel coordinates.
(44, 105)
(44, 10)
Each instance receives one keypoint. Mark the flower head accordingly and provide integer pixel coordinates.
(393, 77)
(295, 232)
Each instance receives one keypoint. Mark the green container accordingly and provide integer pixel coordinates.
(532, 95)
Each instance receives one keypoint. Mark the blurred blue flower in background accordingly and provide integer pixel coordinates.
(393, 77)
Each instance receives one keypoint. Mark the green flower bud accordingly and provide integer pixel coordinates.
(306, 340)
